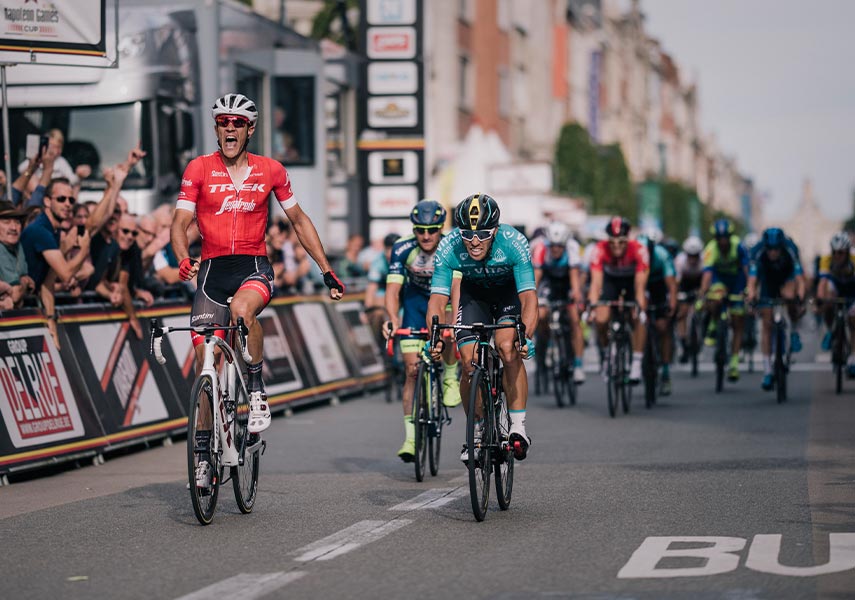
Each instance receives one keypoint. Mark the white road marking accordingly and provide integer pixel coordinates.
(348, 539)
(430, 499)
(246, 586)
(763, 556)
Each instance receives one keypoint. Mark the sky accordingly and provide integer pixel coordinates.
(777, 88)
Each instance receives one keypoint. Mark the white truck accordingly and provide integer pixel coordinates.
(175, 58)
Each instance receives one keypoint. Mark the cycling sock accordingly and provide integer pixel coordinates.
(253, 380)
(577, 362)
(450, 370)
(517, 420)
(637, 356)
(409, 428)
(767, 364)
(666, 371)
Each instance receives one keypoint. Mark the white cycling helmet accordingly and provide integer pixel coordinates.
(235, 104)
(654, 234)
(841, 241)
(557, 233)
(693, 245)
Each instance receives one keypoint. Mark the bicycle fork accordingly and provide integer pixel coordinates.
(224, 442)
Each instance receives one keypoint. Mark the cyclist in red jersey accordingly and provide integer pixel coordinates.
(619, 268)
(228, 193)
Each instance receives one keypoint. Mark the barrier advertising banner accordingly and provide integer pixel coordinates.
(103, 389)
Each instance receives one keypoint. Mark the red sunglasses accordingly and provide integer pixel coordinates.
(238, 122)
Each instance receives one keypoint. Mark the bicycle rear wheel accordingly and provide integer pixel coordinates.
(625, 354)
(694, 343)
(649, 370)
(200, 432)
(420, 419)
(614, 376)
(837, 355)
(504, 456)
(780, 365)
(720, 354)
(245, 476)
(434, 429)
(558, 383)
(480, 463)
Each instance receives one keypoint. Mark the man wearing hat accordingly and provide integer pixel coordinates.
(14, 281)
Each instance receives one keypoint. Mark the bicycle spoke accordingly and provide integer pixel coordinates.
(204, 482)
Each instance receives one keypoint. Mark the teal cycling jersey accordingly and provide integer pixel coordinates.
(661, 265)
(509, 261)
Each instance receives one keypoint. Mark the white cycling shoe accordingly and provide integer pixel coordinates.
(259, 412)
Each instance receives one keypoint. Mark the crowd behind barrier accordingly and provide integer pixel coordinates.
(101, 389)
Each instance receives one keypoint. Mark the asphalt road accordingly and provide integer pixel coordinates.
(705, 496)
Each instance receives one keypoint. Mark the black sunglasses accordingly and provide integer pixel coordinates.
(482, 234)
(432, 229)
(64, 199)
(132, 232)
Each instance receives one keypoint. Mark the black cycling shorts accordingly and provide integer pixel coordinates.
(613, 287)
(220, 278)
(485, 305)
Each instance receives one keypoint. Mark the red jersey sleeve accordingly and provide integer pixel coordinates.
(639, 254)
(538, 255)
(191, 185)
(281, 182)
(597, 256)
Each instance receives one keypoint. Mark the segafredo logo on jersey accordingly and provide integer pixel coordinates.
(219, 174)
(230, 205)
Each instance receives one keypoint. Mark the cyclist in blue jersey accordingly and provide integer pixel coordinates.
(408, 286)
(724, 279)
(775, 272)
(662, 300)
(497, 283)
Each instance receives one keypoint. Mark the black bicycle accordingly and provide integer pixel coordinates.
(652, 360)
(694, 331)
(429, 413)
(619, 355)
(840, 342)
(560, 357)
(780, 345)
(217, 421)
(488, 423)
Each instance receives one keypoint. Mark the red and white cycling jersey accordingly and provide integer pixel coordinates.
(634, 260)
(233, 222)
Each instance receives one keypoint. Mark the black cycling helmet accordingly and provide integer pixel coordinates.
(390, 240)
(428, 213)
(617, 227)
(478, 211)
(722, 228)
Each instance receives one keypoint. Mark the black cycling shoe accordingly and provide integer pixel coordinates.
(519, 445)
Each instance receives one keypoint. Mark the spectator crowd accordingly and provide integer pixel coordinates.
(55, 249)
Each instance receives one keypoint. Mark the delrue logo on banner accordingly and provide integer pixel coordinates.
(392, 111)
(38, 406)
(391, 12)
(391, 42)
(392, 200)
(393, 78)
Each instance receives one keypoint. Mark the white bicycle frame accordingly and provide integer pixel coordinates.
(223, 388)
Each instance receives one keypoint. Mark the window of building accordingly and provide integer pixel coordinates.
(504, 92)
(466, 96)
(293, 120)
(249, 82)
(466, 10)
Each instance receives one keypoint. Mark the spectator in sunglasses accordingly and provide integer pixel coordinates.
(45, 253)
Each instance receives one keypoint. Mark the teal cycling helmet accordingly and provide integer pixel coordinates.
(773, 237)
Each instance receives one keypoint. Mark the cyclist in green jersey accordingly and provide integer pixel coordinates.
(497, 283)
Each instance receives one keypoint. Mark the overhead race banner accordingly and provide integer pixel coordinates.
(71, 32)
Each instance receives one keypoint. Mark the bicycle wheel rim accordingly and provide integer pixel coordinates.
(435, 431)
(613, 374)
(557, 373)
(479, 464)
(504, 457)
(245, 476)
(626, 388)
(420, 422)
(780, 366)
(204, 500)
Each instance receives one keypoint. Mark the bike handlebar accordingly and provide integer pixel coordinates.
(158, 333)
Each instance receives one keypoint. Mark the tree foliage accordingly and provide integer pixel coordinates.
(327, 22)
(597, 173)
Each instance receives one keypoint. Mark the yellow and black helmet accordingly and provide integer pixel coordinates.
(478, 211)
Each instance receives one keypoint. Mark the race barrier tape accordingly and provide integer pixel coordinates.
(103, 390)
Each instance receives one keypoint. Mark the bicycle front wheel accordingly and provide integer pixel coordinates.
(625, 354)
(245, 475)
(614, 376)
(504, 456)
(420, 419)
(780, 365)
(720, 354)
(434, 428)
(558, 383)
(204, 481)
(480, 463)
